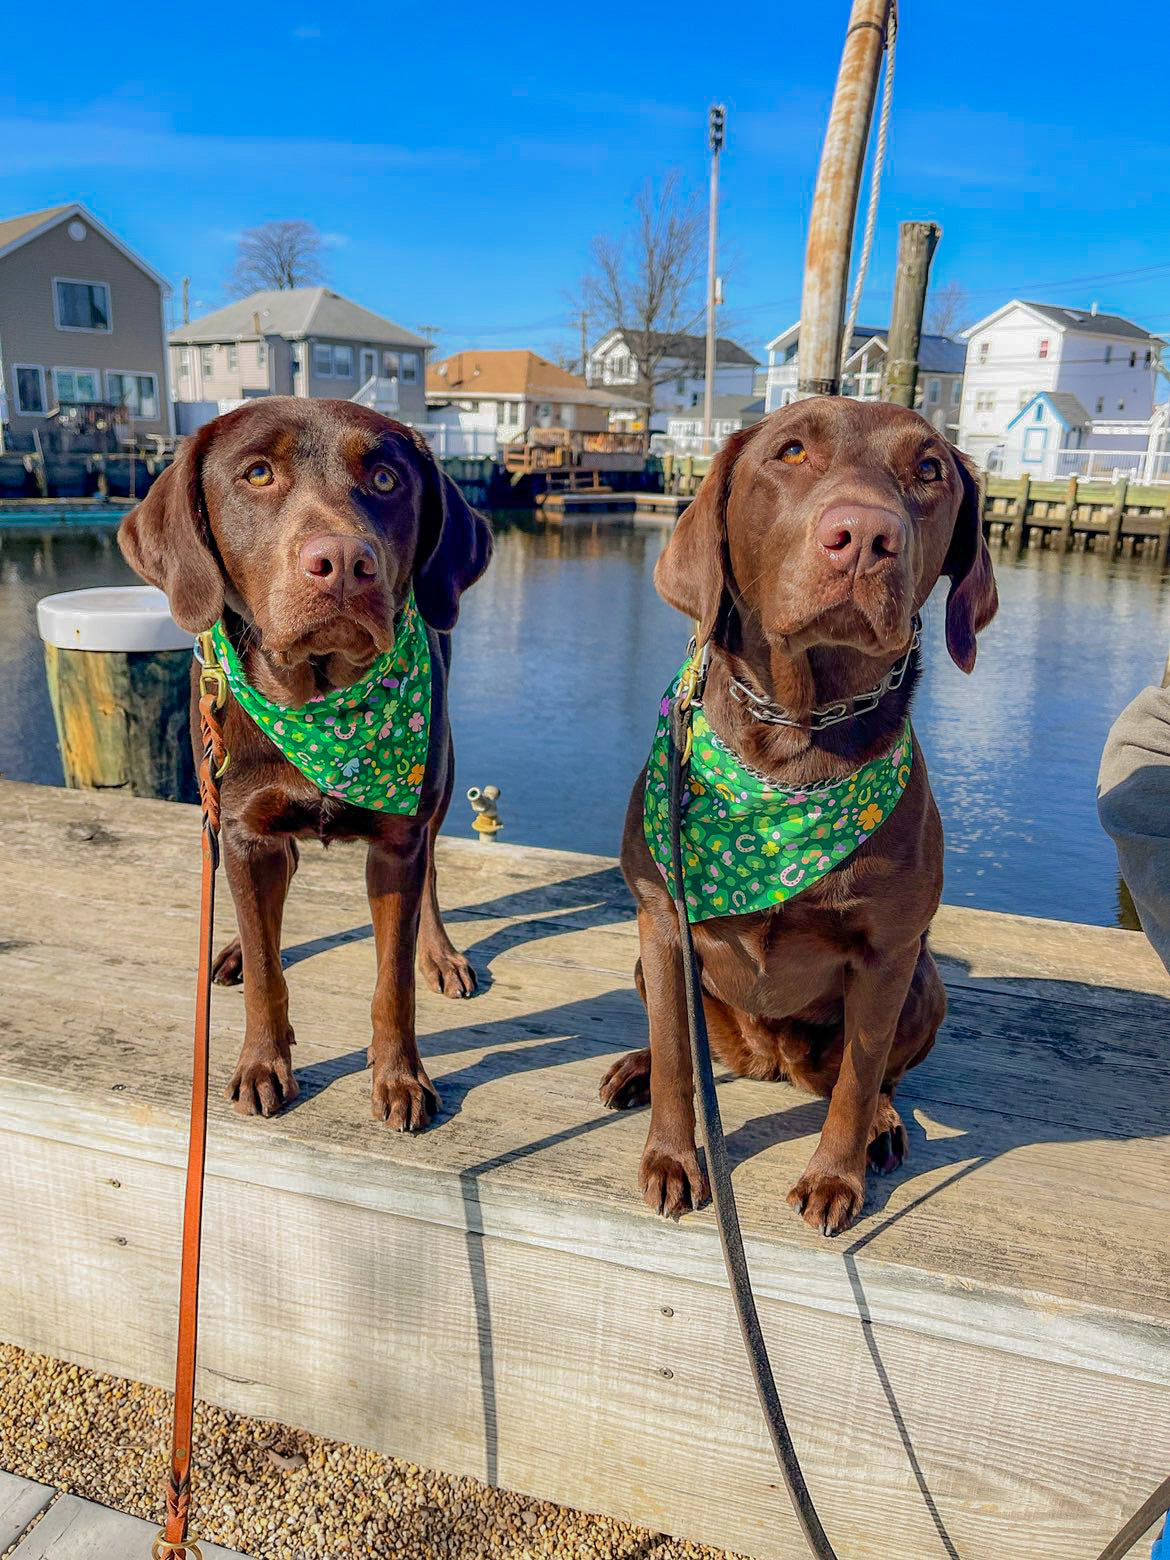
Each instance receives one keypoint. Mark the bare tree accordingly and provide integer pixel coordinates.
(645, 282)
(277, 256)
(947, 310)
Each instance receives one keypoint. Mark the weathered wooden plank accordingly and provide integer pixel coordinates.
(80, 1530)
(990, 1345)
(20, 1501)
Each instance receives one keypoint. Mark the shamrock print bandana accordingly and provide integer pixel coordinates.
(747, 844)
(366, 744)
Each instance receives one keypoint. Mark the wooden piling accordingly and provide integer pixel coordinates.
(1018, 532)
(1065, 533)
(122, 720)
(1115, 516)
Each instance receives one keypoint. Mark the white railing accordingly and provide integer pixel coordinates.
(445, 440)
(1113, 465)
(380, 395)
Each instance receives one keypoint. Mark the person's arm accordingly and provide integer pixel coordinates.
(1133, 800)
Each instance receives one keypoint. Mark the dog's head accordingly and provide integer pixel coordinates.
(310, 519)
(829, 523)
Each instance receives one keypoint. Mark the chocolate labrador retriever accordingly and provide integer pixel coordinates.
(814, 541)
(305, 527)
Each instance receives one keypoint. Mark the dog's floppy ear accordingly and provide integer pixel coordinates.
(972, 599)
(166, 540)
(454, 547)
(691, 572)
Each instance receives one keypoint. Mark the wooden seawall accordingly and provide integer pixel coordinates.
(980, 1368)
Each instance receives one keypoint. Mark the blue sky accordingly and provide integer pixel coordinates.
(461, 163)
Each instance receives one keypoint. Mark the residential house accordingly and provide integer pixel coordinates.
(521, 389)
(304, 341)
(940, 373)
(81, 327)
(683, 370)
(729, 414)
(1105, 363)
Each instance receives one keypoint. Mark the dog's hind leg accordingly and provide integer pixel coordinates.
(922, 1014)
(445, 970)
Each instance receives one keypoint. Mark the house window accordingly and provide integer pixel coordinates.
(77, 386)
(1149, 357)
(207, 361)
(984, 350)
(1121, 406)
(1109, 354)
(81, 305)
(261, 354)
(1044, 346)
(343, 362)
(323, 361)
(985, 401)
(30, 389)
(933, 392)
(956, 392)
(184, 363)
(369, 362)
(1100, 404)
(390, 365)
(409, 366)
(1039, 411)
(1133, 360)
(138, 393)
(233, 360)
(680, 385)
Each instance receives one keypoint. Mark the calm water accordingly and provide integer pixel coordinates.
(563, 651)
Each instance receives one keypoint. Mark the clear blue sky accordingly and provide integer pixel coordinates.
(460, 161)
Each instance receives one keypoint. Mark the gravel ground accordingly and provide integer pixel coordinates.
(270, 1491)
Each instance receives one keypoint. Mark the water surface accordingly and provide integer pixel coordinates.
(563, 651)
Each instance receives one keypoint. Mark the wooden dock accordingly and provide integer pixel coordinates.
(981, 1367)
(557, 508)
(1126, 517)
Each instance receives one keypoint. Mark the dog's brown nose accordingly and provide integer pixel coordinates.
(339, 565)
(857, 538)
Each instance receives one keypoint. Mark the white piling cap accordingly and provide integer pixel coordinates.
(127, 617)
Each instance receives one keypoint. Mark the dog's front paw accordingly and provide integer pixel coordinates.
(672, 1181)
(402, 1099)
(829, 1200)
(263, 1081)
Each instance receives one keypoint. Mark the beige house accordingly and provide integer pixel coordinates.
(81, 326)
(521, 390)
(306, 341)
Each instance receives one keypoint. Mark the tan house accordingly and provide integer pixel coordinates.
(81, 326)
(521, 389)
(306, 341)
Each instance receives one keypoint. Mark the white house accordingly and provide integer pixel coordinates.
(729, 414)
(683, 371)
(940, 373)
(1104, 363)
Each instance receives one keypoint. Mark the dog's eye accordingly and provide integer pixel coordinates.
(259, 475)
(794, 454)
(383, 480)
(930, 470)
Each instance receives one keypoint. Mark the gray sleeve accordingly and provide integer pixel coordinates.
(1133, 800)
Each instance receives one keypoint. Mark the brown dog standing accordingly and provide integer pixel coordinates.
(304, 525)
(815, 539)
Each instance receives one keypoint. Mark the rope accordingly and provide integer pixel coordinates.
(875, 184)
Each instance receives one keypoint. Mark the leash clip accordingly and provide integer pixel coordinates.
(212, 677)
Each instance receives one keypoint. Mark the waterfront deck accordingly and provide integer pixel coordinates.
(981, 1367)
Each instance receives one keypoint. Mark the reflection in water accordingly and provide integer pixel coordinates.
(563, 650)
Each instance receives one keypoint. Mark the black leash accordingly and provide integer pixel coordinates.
(719, 1172)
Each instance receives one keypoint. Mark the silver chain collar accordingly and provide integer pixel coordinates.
(765, 710)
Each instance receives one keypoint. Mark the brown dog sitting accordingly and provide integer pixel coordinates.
(814, 541)
(332, 551)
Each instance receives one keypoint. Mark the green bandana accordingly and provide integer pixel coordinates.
(749, 845)
(366, 744)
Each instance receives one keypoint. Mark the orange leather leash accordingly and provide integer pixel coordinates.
(174, 1541)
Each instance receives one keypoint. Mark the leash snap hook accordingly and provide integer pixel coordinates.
(212, 677)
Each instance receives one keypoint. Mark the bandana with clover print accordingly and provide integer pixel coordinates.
(748, 845)
(366, 744)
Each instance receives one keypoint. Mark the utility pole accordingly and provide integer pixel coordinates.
(586, 372)
(917, 242)
(186, 300)
(830, 228)
(430, 332)
(716, 122)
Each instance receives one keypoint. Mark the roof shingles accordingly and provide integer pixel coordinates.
(296, 312)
